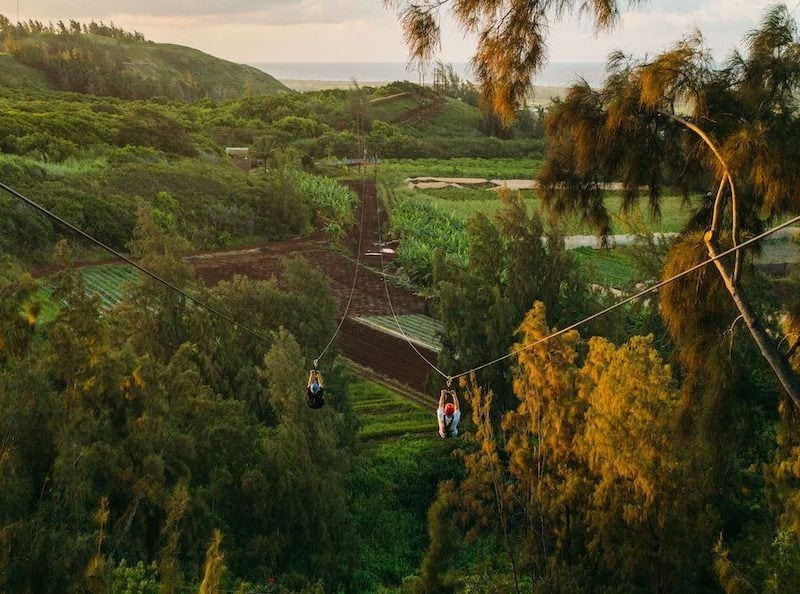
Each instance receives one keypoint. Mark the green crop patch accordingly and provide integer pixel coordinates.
(109, 282)
(383, 413)
(417, 327)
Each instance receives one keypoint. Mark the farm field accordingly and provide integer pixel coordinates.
(109, 282)
(499, 168)
(463, 204)
(426, 219)
(613, 268)
(417, 327)
(383, 414)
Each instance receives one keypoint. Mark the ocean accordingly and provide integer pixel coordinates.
(556, 74)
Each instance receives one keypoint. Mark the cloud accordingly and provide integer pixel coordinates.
(363, 30)
(272, 12)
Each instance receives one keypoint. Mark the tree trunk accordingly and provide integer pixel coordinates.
(780, 366)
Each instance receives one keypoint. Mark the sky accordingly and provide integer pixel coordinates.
(365, 31)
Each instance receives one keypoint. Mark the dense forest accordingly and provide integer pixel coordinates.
(153, 446)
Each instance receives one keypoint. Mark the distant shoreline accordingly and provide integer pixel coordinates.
(542, 94)
(554, 74)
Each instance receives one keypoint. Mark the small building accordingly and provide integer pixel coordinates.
(238, 152)
(241, 157)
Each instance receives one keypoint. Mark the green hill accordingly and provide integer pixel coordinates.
(126, 67)
(16, 75)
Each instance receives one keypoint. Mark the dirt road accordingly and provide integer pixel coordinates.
(387, 355)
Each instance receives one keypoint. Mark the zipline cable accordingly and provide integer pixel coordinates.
(449, 378)
(139, 267)
(633, 297)
(355, 273)
(389, 296)
(574, 325)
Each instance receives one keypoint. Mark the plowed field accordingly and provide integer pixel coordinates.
(385, 354)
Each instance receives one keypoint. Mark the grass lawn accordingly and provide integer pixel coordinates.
(498, 168)
(383, 413)
(610, 268)
(462, 204)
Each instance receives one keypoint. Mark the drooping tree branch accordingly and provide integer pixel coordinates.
(779, 363)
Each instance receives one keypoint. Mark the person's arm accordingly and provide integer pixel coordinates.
(319, 379)
(311, 377)
(442, 394)
(455, 400)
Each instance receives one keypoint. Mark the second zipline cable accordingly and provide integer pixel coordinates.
(574, 325)
(355, 273)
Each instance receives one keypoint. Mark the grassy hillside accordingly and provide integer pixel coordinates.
(128, 68)
(16, 75)
(160, 61)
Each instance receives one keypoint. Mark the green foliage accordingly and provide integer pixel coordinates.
(334, 204)
(152, 128)
(148, 408)
(134, 579)
(609, 267)
(481, 303)
(94, 159)
(463, 203)
(210, 204)
(582, 472)
(299, 127)
(422, 230)
(393, 483)
(488, 168)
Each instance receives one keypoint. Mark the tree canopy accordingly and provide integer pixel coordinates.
(678, 120)
(512, 38)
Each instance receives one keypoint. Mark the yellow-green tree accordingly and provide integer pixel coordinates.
(641, 496)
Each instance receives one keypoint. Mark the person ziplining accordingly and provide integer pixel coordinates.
(315, 386)
(448, 413)
(315, 392)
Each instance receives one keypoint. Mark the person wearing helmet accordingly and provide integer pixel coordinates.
(315, 393)
(448, 414)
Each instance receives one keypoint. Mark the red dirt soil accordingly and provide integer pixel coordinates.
(384, 353)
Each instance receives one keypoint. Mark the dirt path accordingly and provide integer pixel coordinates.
(386, 355)
(267, 262)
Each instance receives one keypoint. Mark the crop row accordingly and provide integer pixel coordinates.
(416, 326)
(109, 282)
(334, 203)
(383, 413)
(422, 229)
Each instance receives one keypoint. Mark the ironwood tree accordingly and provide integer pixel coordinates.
(512, 38)
(681, 121)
